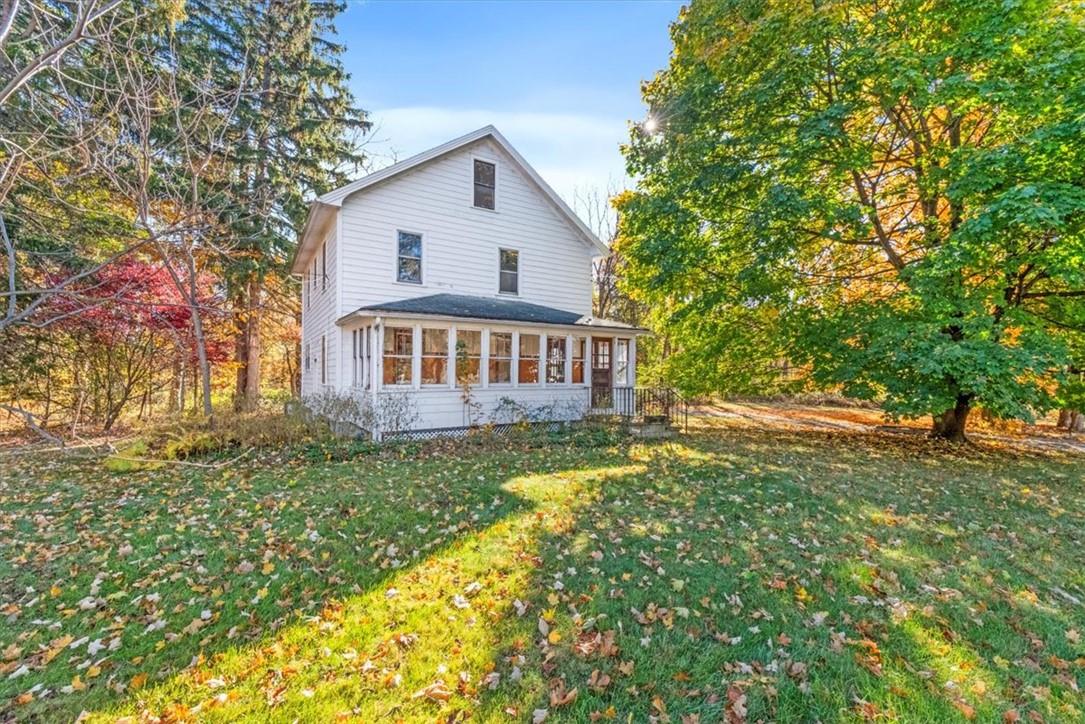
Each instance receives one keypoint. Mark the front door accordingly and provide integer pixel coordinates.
(601, 353)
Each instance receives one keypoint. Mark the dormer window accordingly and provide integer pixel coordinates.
(485, 184)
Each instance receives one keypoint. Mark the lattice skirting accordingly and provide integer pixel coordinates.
(499, 429)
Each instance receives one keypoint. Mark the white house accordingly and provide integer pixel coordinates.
(454, 289)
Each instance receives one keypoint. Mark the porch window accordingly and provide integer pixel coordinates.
(367, 357)
(529, 359)
(578, 360)
(485, 184)
(398, 351)
(555, 360)
(409, 259)
(468, 356)
(323, 360)
(621, 362)
(354, 357)
(500, 357)
(509, 271)
(434, 356)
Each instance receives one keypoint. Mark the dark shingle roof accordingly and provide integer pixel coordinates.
(505, 310)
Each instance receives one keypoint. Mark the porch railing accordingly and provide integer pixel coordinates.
(640, 404)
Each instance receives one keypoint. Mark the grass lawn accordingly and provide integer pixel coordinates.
(730, 574)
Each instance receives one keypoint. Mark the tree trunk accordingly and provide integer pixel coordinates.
(1077, 422)
(1065, 416)
(247, 345)
(950, 425)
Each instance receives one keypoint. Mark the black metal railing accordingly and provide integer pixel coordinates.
(640, 404)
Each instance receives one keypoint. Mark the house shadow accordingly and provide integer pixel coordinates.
(370, 637)
(817, 588)
(816, 579)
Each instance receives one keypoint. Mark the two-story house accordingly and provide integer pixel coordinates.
(454, 289)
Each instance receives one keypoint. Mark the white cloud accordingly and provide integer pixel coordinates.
(573, 152)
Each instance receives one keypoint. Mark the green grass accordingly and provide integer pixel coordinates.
(787, 576)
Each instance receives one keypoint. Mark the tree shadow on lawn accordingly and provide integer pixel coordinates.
(816, 580)
(244, 571)
(820, 576)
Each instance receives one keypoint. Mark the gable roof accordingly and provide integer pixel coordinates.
(463, 306)
(324, 208)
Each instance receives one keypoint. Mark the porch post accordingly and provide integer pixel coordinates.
(544, 359)
(376, 366)
(631, 364)
(515, 374)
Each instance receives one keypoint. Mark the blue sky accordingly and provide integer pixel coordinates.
(559, 78)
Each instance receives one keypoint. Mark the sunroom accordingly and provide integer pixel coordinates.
(448, 362)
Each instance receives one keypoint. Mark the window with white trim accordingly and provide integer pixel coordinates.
(324, 267)
(434, 356)
(323, 360)
(308, 356)
(579, 344)
(468, 356)
(508, 271)
(621, 362)
(409, 257)
(555, 360)
(398, 355)
(367, 358)
(528, 369)
(500, 358)
(485, 184)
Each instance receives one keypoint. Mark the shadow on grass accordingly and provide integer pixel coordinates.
(820, 576)
(819, 581)
(380, 635)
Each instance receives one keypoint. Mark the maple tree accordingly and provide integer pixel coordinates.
(887, 194)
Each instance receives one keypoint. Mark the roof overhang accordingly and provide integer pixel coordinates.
(587, 327)
(317, 225)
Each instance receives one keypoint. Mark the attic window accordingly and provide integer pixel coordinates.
(485, 184)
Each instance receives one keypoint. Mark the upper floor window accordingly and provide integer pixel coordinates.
(323, 267)
(509, 271)
(485, 184)
(409, 258)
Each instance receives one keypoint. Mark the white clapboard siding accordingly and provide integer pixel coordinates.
(461, 242)
(440, 408)
(318, 318)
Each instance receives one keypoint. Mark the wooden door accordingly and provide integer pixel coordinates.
(602, 349)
